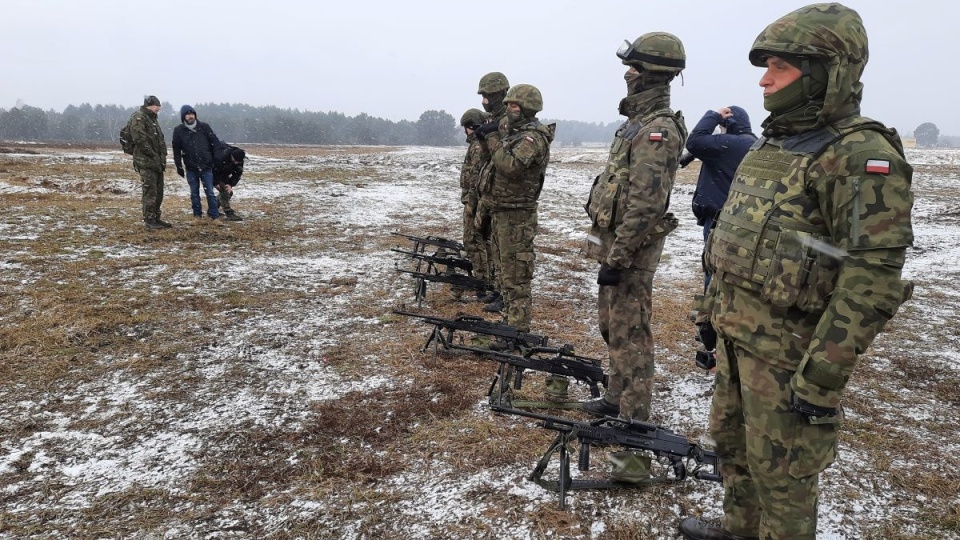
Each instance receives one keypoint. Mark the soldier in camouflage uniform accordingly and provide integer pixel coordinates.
(629, 220)
(493, 88)
(473, 242)
(807, 257)
(149, 160)
(519, 150)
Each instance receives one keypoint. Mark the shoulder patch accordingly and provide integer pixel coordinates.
(655, 136)
(529, 138)
(878, 166)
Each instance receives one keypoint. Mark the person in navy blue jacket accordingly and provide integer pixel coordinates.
(194, 145)
(720, 155)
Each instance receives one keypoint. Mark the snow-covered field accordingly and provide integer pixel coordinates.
(53, 465)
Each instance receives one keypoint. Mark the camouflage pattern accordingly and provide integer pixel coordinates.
(223, 198)
(149, 160)
(629, 223)
(482, 219)
(527, 96)
(151, 193)
(493, 82)
(473, 241)
(807, 258)
(780, 465)
(656, 51)
(509, 188)
(150, 148)
(473, 117)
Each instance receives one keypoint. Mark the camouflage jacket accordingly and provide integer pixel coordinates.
(150, 148)
(519, 160)
(628, 201)
(470, 172)
(808, 251)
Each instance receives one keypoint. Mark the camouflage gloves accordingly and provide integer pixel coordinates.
(608, 275)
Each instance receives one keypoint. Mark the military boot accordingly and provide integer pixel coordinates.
(488, 297)
(630, 467)
(164, 224)
(152, 224)
(232, 216)
(600, 407)
(697, 529)
(555, 387)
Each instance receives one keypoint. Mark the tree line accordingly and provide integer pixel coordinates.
(239, 123)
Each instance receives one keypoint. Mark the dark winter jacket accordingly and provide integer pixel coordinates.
(720, 156)
(194, 149)
(225, 170)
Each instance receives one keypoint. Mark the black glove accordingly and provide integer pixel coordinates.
(180, 171)
(686, 159)
(808, 410)
(608, 275)
(708, 336)
(486, 129)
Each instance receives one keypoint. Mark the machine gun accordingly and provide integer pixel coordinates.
(609, 431)
(557, 360)
(440, 266)
(477, 325)
(448, 261)
(421, 242)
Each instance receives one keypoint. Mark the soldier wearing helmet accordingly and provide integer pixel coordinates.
(629, 223)
(807, 257)
(492, 89)
(519, 150)
(473, 242)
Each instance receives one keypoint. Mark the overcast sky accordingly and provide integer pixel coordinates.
(395, 59)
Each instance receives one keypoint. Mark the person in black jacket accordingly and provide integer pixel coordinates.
(226, 174)
(194, 144)
(720, 155)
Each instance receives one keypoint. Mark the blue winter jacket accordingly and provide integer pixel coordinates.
(720, 155)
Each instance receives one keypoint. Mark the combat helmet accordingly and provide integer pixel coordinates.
(831, 34)
(527, 96)
(493, 82)
(654, 51)
(473, 117)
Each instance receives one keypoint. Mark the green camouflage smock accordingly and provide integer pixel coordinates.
(807, 255)
(473, 242)
(629, 222)
(519, 158)
(628, 201)
(150, 148)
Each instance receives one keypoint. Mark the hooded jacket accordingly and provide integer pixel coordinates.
(720, 155)
(194, 149)
(808, 251)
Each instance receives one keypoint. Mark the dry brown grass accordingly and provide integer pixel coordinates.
(81, 322)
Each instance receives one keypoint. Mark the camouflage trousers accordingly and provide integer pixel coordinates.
(151, 188)
(223, 197)
(512, 233)
(770, 457)
(474, 243)
(625, 313)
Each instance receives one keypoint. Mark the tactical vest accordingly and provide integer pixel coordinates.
(771, 237)
(501, 193)
(611, 189)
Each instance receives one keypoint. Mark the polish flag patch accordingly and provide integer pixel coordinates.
(656, 136)
(878, 166)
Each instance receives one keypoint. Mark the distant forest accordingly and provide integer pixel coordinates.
(272, 125)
